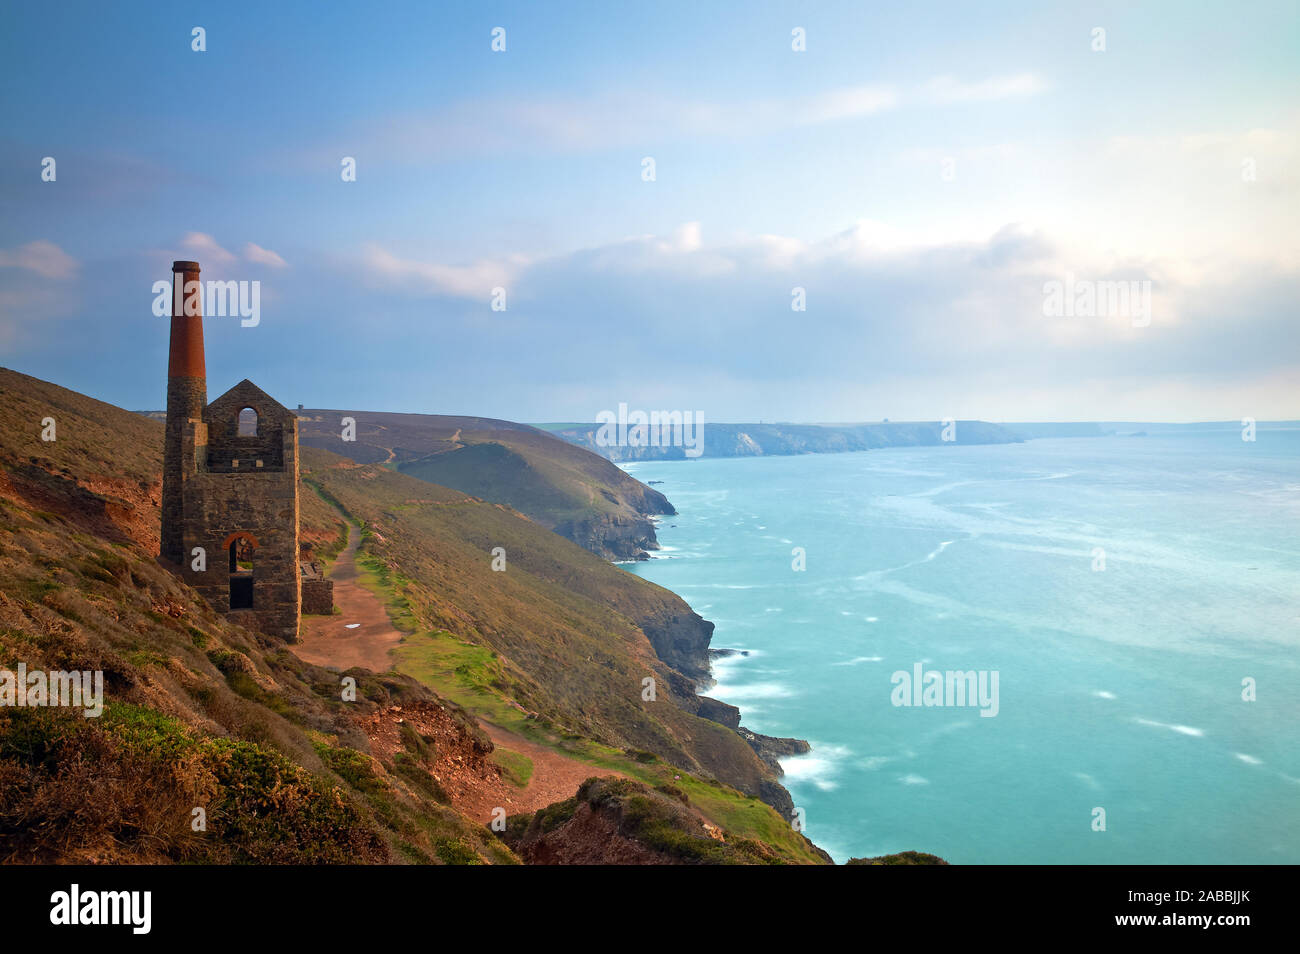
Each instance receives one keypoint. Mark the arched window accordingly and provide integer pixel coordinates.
(242, 551)
(247, 423)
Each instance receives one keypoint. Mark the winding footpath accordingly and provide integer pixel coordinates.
(362, 635)
(328, 641)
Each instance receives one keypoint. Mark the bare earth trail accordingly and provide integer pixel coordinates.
(555, 777)
(326, 641)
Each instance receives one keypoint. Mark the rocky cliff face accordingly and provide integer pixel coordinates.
(613, 536)
(681, 639)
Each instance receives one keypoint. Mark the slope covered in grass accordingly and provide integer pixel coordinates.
(577, 494)
(199, 713)
(204, 714)
(558, 632)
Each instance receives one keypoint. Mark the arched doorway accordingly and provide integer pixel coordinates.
(242, 548)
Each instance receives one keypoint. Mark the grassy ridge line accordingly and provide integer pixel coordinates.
(580, 495)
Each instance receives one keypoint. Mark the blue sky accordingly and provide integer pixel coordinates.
(920, 172)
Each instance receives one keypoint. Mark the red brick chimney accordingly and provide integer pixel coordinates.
(186, 357)
(187, 396)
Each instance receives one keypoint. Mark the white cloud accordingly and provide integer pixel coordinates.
(463, 281)
(946, 89)
(44, 258)
(263, 256)
(945, 327)
(206, 249)
(847, 103)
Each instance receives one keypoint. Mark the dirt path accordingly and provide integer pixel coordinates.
(328, 640)
(555, 776)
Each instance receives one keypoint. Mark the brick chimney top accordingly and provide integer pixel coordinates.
(185, 358)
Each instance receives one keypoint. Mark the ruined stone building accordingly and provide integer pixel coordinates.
(230, 487)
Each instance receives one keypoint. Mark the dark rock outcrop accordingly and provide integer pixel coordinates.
(681, 639)
(721, 712)
(612, 536)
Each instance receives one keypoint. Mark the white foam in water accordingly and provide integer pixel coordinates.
(859, 659)
(753, 690)
(1088, 780)
(818, 767)
(914, 780)
(1103, 694)
(1249, 759)
(1183, 729)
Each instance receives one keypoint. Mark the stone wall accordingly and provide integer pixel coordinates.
(186, 398)
(257, 504)
(318, 596)
(261, 507)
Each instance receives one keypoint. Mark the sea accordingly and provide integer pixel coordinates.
(1133, 600)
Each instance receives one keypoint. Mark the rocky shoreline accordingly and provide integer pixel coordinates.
(769, 748)
(682, 641)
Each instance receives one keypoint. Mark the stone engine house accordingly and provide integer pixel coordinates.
(230, 487)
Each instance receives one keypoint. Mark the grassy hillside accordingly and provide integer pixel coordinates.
(559, 632)
(204, 714)
(577, 494)
(199, 713)
(621, 821)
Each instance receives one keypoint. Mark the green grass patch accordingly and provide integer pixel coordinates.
(516, 767)
(466, 674)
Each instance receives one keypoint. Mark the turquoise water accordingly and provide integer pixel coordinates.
(1119, 688)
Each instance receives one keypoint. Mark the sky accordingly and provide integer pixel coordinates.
(866, 227)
